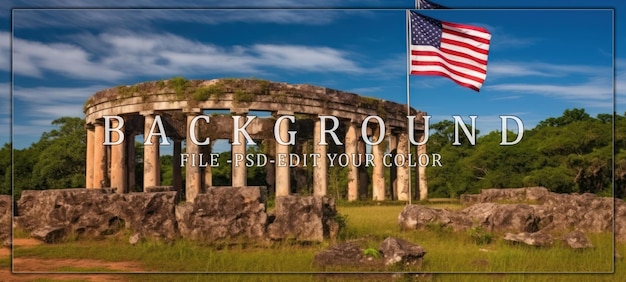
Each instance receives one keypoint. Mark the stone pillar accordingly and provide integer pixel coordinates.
(423, 182)
(239, 170)
(118, 162)
(151, 168)
(393, 170)
(90, 154)
(130, 161)
(320, 172)
(283, 181)
(364, 178)
(378, 171)
(99, 156)
(351, 142)
(193, 181)
(403, 170)
(177, 177)
(207, 173)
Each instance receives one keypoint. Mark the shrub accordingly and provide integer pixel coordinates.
(480, 236)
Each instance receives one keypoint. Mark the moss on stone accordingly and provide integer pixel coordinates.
(241, 96)
(180, 86)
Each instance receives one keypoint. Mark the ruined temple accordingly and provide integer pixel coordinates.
(178, 102)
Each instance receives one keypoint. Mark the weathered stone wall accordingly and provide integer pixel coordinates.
(219, 214)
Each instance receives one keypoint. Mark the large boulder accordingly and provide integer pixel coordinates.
(304, 218)
(504, 217)
(420, 217)
(224, 214)
(399, 251)
(537, 239)
(340, 254)
(577, 240)
(97, 212)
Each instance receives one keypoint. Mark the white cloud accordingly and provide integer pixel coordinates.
(131, 55)
(501, 69)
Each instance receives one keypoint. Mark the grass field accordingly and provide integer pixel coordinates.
(368, 226)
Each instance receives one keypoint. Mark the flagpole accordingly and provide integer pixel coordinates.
(408, 85)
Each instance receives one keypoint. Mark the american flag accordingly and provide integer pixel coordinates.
(425, 4)
(456, 51)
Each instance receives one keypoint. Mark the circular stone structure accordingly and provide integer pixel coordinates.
(176, 104)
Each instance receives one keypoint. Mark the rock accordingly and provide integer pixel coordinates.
(309, 218)
(6, 213)
(224, 214)
(96, 212)
(396, 250)
(419, 217)
(577, 240)
(340, 254)
(134, 239)
(528, 194)
(504, 217)
(537, 239)
(49, 234)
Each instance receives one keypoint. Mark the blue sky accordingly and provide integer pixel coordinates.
(541, 62)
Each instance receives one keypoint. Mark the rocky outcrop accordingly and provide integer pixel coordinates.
(223, 214)
(95, 212)
(345, 253)
(537, 239)
(577, 240)
(503, 217)
(537, 210)
(309, 218)
(420, 217)
(396, 250)
(392, 251)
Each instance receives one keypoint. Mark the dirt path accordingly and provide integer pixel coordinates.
(53, 265)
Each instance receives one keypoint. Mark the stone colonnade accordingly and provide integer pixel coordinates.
(114, 165)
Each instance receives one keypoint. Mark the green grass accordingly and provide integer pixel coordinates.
(367, 226)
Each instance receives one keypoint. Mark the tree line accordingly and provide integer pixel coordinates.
(570, 153)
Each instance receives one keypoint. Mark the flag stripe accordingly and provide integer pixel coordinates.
(460, 67)
(473, 31)
(459, 81)
(455, 51)
(473, 76)
(424, 52)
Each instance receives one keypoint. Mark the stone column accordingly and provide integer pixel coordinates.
(192, 170)
(320, 172)
(90, 155)
(239, 170)
(99, 156)
(177, 177)
(423, 182)
(393, 170)
(351, 142)
(118, 162)
(283, 180)
(151, 168)
(364, 178)
(403, 170)
(207, 173)
(130, 161)
(378, 171)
